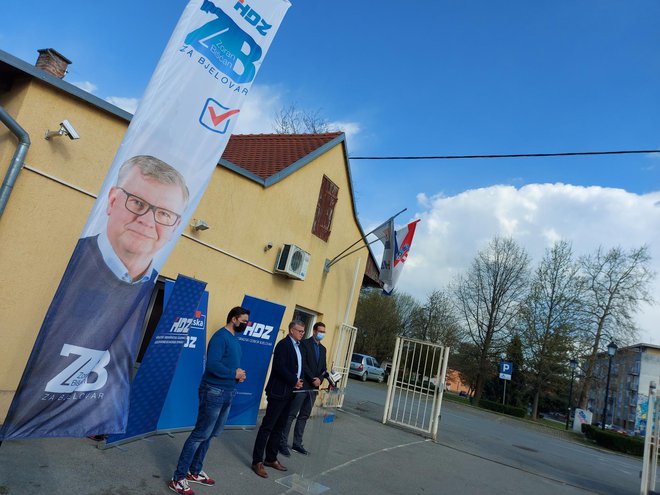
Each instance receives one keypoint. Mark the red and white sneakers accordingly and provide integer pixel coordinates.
(202, 478)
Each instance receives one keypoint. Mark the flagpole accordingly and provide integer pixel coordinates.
(329, 263)
(338, 259)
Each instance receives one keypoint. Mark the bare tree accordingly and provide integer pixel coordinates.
(406, 306)
(617, 281)
(292, 120)
(489, 297)
(550, 318)
(436, 321)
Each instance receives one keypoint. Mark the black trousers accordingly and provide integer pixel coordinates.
(269, 435)
(301, 408)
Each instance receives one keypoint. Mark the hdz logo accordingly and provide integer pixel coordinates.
(258, 330)
(181, 325)
(252, 17)
(216, 117)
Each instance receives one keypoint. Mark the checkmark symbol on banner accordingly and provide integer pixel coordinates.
(216, 119)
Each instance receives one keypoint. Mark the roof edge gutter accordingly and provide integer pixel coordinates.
(18, 159)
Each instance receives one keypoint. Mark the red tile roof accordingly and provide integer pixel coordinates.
(267, 154)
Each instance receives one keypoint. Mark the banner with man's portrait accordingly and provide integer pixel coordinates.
(77, 378)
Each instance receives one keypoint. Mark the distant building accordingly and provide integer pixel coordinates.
(633, 369)
(454, 383)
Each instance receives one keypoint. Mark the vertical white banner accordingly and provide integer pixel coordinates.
(77, 379)
(195, 95)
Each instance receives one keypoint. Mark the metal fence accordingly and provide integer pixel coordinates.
(415, 385)
(341, 357)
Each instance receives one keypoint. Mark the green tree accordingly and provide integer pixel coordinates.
(378, 324)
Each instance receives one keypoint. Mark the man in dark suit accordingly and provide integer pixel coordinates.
(285, 377)
(314, 371)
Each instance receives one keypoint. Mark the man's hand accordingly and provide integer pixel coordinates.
(240, 375)
(298, 384)
(316, 382)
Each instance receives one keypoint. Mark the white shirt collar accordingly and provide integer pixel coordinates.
(115, 264)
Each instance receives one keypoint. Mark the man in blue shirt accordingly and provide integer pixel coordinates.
(216, 391)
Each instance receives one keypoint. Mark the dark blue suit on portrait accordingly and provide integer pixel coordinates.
(92, 312)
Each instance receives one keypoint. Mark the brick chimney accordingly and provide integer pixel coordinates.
(53, 62)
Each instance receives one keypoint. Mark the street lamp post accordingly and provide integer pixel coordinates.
(611, 351)
(573, 364)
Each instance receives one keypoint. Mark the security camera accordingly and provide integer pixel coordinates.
(70, 131)
(66, 129)
(268, 246)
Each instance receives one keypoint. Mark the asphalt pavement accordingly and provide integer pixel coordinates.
(352, 453)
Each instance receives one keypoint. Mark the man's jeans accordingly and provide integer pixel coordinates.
(214, 404)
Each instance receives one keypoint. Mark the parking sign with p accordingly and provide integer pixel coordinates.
(506, 368)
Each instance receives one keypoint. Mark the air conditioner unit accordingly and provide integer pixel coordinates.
(292, 262)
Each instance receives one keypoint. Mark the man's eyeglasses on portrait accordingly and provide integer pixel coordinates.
(138, 206)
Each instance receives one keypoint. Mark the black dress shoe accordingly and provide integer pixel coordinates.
(285, 451)
(300, 449)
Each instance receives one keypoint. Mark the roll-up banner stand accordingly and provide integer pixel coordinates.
(257, 343)
(76, 381)
(152, 383)
(180, 408)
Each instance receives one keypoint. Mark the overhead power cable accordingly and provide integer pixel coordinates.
(516, 155)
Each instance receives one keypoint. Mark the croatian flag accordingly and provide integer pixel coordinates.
(403, 241)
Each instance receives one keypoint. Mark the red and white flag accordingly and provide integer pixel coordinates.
(402, 242)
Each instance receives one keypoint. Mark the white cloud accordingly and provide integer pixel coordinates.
(454, 228)
(351, 129)
(88, 86)
(128, 104)
(259, 110)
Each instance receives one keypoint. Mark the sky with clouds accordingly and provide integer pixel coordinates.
(434, 78)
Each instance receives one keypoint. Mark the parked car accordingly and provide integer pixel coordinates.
(366, 368)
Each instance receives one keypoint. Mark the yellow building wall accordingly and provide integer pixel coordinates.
(44, 219)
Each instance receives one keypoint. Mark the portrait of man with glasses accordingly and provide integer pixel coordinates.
(144, 209)
(99, 308)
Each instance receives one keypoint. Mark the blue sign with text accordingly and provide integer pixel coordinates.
(506, 368)
(152, 382)
(257, 343)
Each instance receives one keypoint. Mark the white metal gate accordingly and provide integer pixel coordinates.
(341, 358)
(416, 385)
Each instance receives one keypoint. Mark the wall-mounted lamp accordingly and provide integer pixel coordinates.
(198, 225)
(66, 129)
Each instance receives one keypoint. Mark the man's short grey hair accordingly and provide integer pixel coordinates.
(155, 168)
(296, 323)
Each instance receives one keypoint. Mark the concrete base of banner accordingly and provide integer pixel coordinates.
(302, 485)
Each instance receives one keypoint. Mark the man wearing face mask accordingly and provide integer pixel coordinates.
(314, 370)
(216, 391)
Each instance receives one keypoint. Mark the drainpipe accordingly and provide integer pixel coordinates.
(17, 161)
